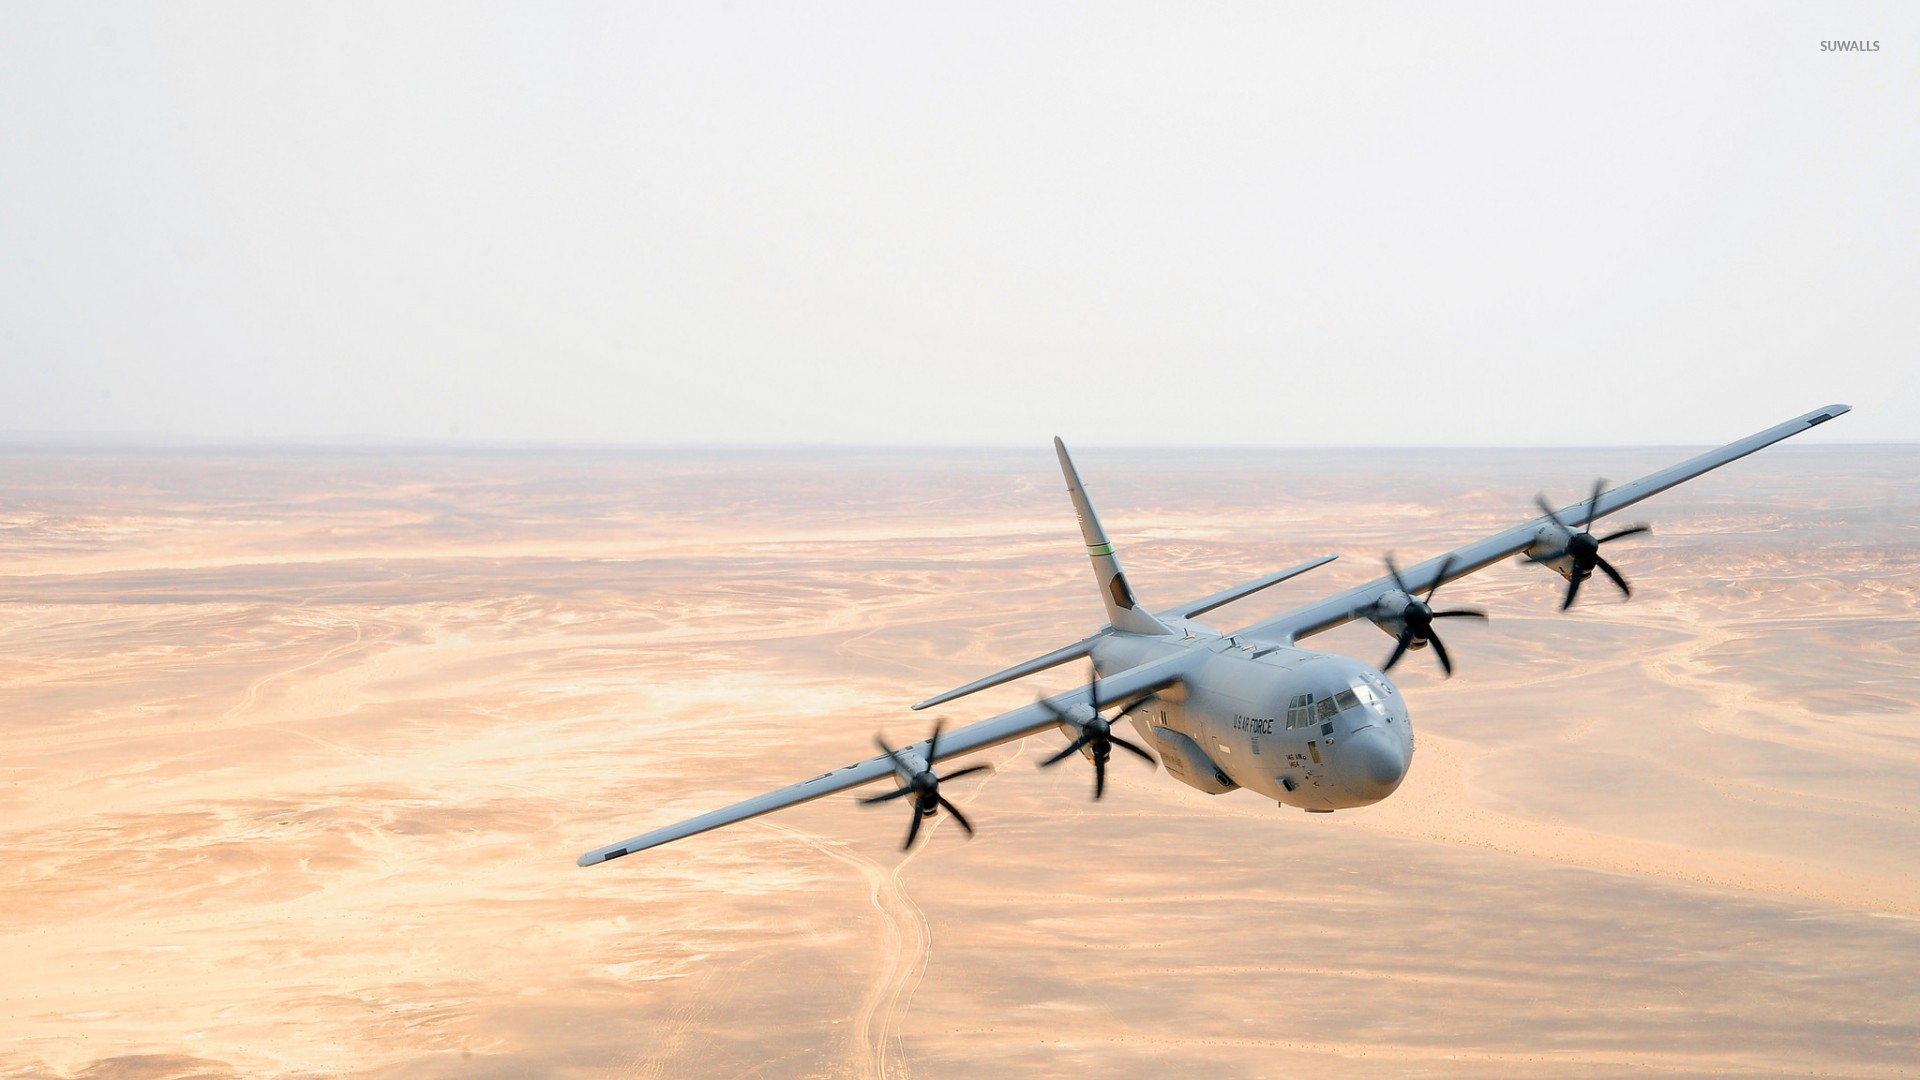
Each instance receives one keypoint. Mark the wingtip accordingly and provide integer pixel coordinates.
(600, 855)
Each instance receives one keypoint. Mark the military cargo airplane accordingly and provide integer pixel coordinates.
(1248, 710)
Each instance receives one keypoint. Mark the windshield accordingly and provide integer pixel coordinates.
(1306, 710)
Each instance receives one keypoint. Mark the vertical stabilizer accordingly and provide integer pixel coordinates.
(1122, 611)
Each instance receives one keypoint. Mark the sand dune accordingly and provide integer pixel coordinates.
(299, 750)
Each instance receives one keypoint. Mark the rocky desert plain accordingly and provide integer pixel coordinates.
(297, 750)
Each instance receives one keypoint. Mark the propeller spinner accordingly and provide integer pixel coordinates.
(1095, 732)
(923, 785)
(1582, 548)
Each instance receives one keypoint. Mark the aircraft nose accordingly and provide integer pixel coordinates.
(1372, 763)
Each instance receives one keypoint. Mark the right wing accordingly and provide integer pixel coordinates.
(1343, 607)
(1006, 727)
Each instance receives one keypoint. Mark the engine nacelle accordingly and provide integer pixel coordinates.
(1080, 713)
(1408, 619)
(1549, 549)
(1388, 614)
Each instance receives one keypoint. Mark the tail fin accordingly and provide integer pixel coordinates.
(1122, 612)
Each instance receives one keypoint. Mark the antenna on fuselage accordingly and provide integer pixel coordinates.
(1123, 612)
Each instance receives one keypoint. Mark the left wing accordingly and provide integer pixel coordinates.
(1006, 727)
(1343, 607)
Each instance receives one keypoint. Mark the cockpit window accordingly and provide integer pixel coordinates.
(1378, 683)
(1300, 711)
(1308, 710)
(1364, 692)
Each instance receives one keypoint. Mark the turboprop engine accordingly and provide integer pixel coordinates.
(1409, 619)
(1573, 553)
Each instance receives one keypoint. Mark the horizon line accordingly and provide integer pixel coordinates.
(96, 441)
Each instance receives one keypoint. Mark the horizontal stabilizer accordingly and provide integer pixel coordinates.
(1039, 663)
(1245, 589)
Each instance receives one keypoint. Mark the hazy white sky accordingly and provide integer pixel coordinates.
(1248, 223)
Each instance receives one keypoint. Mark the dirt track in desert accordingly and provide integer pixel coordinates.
(299, 749)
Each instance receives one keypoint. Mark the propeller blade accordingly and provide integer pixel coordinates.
(1607, 568)
(933, 744)
(888, 797)
(1072, 748)
(1399, 649)
(1060, 715)
(1462, 613)
(1144, 756)
(1398, 581)
(1628, 531)
(1593, 504)
(957, 816)
(958, 773)
(913, 830)
(1099, 776)
(1440, 577)
(1573, 589)
(1540, 500)
(898, 761)
(1440, 653)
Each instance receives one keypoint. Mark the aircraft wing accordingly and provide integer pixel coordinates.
(1343, 607)
(1006, 727)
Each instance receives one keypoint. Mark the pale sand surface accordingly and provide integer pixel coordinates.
(296, 753)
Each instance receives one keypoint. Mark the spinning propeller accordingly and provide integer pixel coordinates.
(1584, 548)
(924, 786)
(1417, 618)
(1095, 733)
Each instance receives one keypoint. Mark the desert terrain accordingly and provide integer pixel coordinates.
(297, 750)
